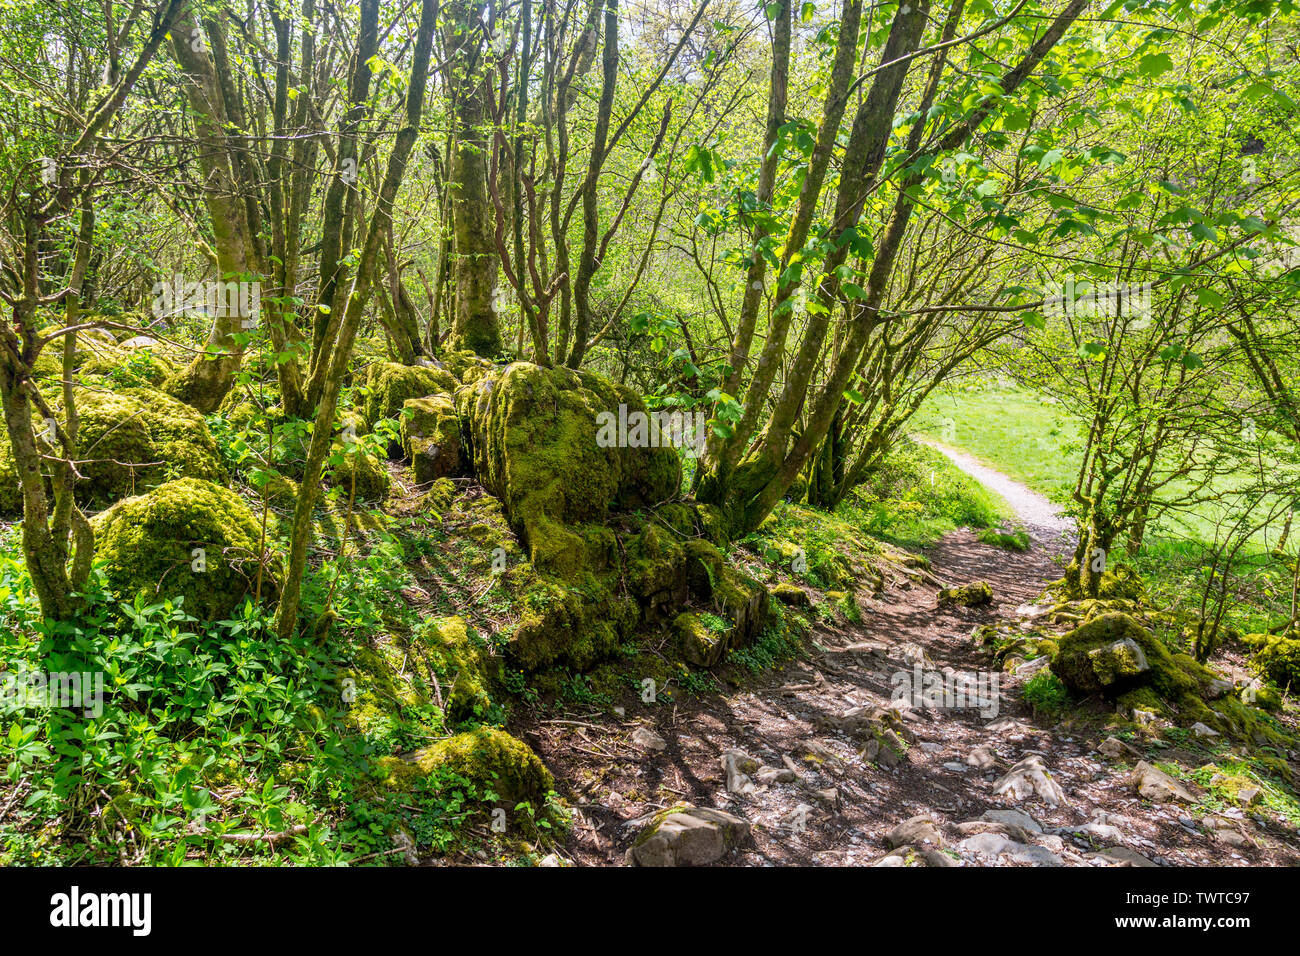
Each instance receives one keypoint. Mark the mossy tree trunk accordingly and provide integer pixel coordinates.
(341, 205)
(207, 379)
(474, 322)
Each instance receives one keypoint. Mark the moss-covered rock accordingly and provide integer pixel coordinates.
(656, 570)
(1111, 654)
(467, 366)
(365, 471)
(489, 758)
(792, 595)
(279, 489)
(732, 593)
(129, 440)
(533, 442)
(461, 664)
(1098, 657)
(186, 538)
(141, 361)
(389, 385)
(975, 594)
(1277, 657)
(576, 623)
(431, 438)
(698, 642)
(684, 835)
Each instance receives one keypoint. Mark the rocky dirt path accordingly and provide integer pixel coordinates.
(826, 765)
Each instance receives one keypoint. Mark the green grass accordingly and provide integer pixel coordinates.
(1019, 433)
(917, 496)
(1030, 438)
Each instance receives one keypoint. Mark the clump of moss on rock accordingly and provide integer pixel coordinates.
(431, 438)
(389, 385)
(461, 664)
(1113, 653)
(699, 643)
(146, 546)
(364, 470)
(975, 594)
(130, 440)
(1117, 657)
(489, 758)
(467, 366)
(577, 624)
(533, 442)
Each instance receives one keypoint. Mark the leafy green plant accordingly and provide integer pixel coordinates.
(1046, 693)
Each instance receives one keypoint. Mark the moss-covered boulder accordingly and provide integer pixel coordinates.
(186, 538)
(460, 661)
(656, 570)
(1277, 657)
(389, 385)
(536, 443)
(129, 440)
(571, 623)
(490, 759)
(467, 366)
(140, 360)
(975, 594)
(431, 438)
(684, 835)
(792, 595)
(714, 583)
(359, 472)
(1110, 654)
(1114, 655)
(701, 640)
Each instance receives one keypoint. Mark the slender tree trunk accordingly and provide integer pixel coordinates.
(474, 324)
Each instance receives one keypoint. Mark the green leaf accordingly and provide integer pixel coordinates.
(1153, 64)
(1210, 298)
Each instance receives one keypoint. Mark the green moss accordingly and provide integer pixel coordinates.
(533, 442)
(656, 568)
(1174, 685)
(467, 366)
(975, 594)
(490, 758)
(461, 664)
(792, 594)
(279, 489)
(371, 477)
(146, 545)
(1083, 660)
(129, 440)
(575, 623)
(389, 385)
(431, 438)
(141, 365)
(1277, 657)
(699, 643)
